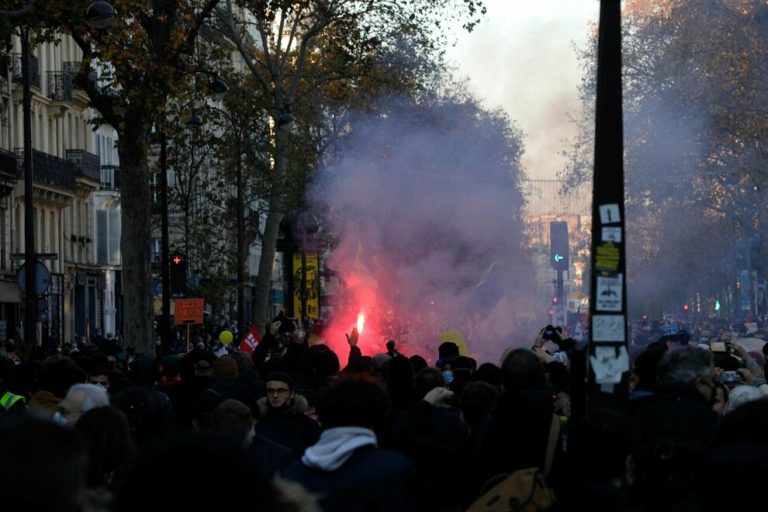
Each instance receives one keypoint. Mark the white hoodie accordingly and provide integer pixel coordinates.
(336, 446)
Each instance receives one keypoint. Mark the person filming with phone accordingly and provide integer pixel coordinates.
(734, 366)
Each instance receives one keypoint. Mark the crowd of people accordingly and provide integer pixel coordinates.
(295, 426)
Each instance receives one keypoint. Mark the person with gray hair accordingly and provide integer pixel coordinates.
(676, 428)
(80, 398)
(687, 365)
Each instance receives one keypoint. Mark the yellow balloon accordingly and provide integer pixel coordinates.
(225, 337)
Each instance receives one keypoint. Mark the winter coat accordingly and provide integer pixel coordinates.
(291, 427)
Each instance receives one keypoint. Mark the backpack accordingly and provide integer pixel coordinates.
(525, 490)
(147, 410)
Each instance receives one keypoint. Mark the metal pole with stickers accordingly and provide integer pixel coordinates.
(608, 360)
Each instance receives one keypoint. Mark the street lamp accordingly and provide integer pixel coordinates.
(165, 256)
(30, 257)
(165, 317)
(239, 207)
(217, 89)
(100, 15)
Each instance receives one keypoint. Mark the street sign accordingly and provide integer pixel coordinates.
(40, 256)
(42, 278)
(188, 311)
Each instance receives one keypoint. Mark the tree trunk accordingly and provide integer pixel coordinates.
(269, 242)
(135, 242)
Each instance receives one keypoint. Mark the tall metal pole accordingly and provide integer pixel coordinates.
(30, 259)
(561, 304)
(240, 275)
(303, 227)
(165, 319)
(608, 363)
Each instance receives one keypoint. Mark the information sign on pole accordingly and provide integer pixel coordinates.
(188, 311)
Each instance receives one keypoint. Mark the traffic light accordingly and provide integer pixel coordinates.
(686, 307)
(558, 244)
(178, 265)
(554, 300)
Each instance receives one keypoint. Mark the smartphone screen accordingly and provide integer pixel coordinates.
(717, 346)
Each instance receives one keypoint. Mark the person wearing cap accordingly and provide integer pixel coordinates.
(282, 415)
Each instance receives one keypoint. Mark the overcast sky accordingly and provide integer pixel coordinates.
(522, 58)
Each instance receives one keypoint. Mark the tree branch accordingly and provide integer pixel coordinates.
(21, 14)
(229, 30)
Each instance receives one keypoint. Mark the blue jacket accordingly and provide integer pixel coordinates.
(371, 480)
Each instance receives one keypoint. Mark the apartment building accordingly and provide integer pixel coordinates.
(76, 199)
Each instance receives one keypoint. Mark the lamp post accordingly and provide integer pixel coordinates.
(240, 259)
(30, 258)
(240, 256)
(608, 320)
(165, 254)
(217, 89)
(100, 15)
(165, 318)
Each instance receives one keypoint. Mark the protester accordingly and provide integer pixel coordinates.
(282, 415)
(344, 467)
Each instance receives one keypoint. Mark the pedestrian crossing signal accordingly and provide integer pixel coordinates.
(558, 244)
(178, 266)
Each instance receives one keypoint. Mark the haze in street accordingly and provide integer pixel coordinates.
(521, 58)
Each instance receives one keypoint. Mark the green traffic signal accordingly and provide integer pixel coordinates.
(558, 248)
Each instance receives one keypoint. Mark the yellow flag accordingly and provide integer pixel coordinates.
(457, 338)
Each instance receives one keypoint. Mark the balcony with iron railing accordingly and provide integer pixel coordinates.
(4, 65)
(87, 164)
(110, 177)
(72, 67)
(34, 70)
(59, 86)
(7, 171)
(48, 169)
(7, 162)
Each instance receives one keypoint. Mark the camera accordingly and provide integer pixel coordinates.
(287, 324)
(549, 333)
(730, 377)
(717, 346)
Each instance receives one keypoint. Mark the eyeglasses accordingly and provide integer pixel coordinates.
(277, 391)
